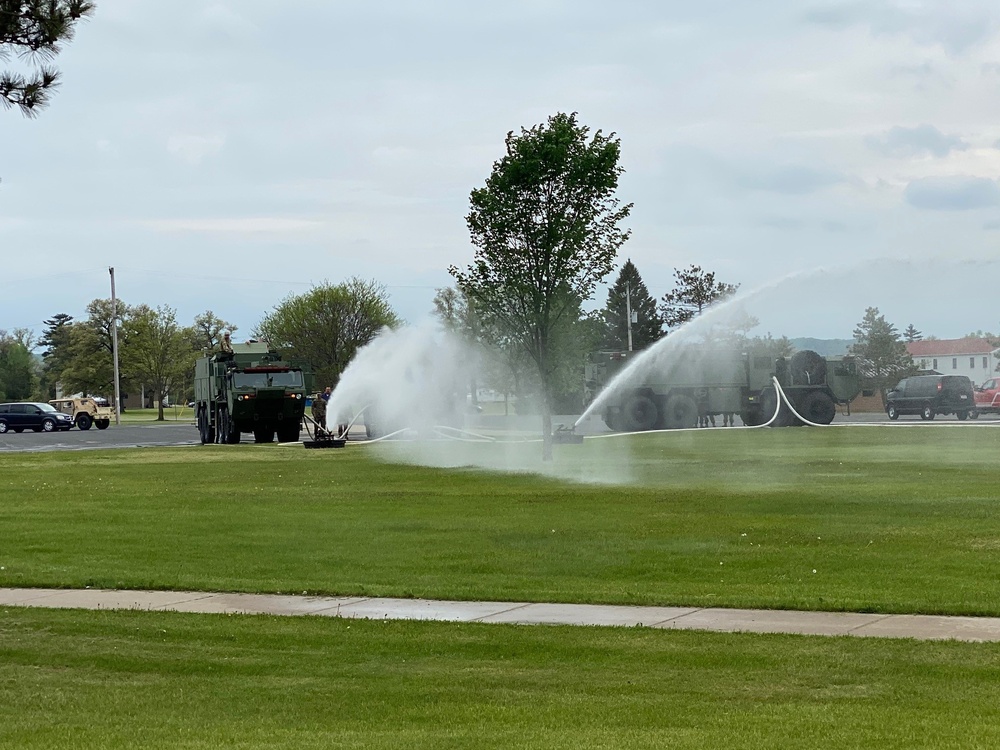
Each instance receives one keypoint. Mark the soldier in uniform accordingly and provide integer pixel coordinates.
(319, 413)
(226, 345)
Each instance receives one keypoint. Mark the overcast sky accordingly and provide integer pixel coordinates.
(224, 155)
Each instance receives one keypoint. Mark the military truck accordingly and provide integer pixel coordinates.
(703, 382)
(250, 389)
(86, 411)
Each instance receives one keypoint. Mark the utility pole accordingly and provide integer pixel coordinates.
(628, 312)
(114, 347)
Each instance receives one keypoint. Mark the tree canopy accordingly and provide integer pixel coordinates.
(629, 292)
(327, 325)
(546, 231)
(35, 29)
(694, 291)
(881, 353)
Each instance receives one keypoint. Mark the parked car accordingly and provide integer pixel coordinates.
(988, 397)
(32, 416)
(930, 395)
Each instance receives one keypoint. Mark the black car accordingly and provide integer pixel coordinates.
(929, 395)
(33, 416)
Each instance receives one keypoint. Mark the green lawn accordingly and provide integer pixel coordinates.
(155, 680)
(879, 519)
(893, 520)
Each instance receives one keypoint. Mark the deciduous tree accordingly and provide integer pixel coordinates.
(17, 372)
(327, 325)
(35, 29)
(546, 227)
(157, 352)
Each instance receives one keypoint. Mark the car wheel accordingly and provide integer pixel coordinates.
(927, 413)
(973, 413)
(3, 427)
(48, 425)
(892, 412)
(962, 415)
(84, 421)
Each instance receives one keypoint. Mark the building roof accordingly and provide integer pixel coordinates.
(949, 347)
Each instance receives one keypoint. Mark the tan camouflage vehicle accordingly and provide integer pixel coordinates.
(85, 412)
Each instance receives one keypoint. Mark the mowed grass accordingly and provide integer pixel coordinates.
(157, 680)
(890, 519)
(872, 519)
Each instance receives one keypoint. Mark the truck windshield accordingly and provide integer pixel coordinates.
(264, 379)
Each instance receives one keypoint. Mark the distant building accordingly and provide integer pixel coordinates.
(974, 357)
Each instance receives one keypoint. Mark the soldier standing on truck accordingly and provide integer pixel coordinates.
(226, 345)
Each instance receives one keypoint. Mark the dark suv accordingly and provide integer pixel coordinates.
(33, 416)
(928, 395)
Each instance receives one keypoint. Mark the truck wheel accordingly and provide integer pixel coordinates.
(83, 421)
(680, 412)
(818, 407)
(639, 413)
(892, 412)
(289, 435)
(102, 424)
(768, 405)
(973, 413)
(962, 415)
(927, 413)
(203, 426)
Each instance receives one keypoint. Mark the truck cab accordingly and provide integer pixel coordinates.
(988, 397)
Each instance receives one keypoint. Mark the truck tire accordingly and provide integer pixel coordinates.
(768, 404)
(818, 408)
(973, 413)
(962, 415)
(680, 412)
(289, 434)
(927, 413)
(892, 411)
(807, 368)
(102, 424)
(84, 421)
(639, 413)
(205, 432)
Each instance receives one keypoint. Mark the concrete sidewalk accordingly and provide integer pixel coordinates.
(923, 627)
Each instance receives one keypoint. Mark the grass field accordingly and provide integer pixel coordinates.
(890, 520)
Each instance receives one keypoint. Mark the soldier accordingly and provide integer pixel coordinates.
(226, 345)
(319, 413)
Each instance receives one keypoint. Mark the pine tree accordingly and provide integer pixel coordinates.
(629, 292)
(694, 291)
(911, 334)
(35, 29)
(880, 351)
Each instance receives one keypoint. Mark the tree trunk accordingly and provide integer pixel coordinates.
(546, 430)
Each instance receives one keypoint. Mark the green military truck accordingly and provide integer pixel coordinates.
(250, 389)
(694, 382)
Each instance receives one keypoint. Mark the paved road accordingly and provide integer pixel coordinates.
(921, 627)
(123, 436)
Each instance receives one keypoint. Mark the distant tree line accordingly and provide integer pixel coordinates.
(156, 353)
